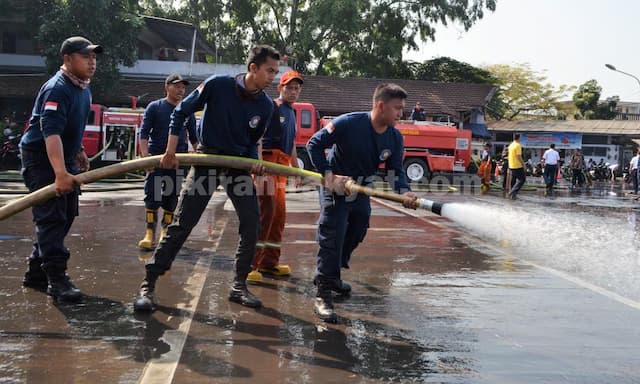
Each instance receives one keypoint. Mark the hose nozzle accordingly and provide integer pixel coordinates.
(431, 205)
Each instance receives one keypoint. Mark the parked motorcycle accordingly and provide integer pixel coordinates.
(10, 153)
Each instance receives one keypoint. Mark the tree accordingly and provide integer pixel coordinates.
(355, 38)
(607, 109)
(525, 90)
(114, 24)
(449, 70)
(586, 99)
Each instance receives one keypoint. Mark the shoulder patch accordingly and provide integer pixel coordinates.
(50, 106)
(330, 128)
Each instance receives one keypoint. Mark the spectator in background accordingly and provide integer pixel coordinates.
(418, 113)
(505, 167)
(633, 169)
(577, 166)
(516, 167)
(550, 159)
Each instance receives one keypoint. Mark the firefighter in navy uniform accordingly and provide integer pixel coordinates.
(236, 113)
(161, 186)
(359, 143)
(52, 152)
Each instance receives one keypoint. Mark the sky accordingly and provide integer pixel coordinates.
(569, 41)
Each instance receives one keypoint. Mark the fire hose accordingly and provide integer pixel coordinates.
(48, 192)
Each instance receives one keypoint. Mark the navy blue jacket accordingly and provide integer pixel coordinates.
(281, 134)
(61, 108)
(232, 122)
(155, 128)
(357, 150)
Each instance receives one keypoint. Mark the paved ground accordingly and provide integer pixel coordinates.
(430, 304)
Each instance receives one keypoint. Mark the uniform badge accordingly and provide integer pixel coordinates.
(385, 154)
(254, 121)
(282, 119)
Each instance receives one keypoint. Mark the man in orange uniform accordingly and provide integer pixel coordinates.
(484, 170)
(278, 146)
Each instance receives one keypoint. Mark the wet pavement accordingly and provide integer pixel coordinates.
(431, 303)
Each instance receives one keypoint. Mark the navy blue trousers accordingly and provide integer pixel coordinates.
(162, 187)
(342, 227)
(53, 218)
(199, 186)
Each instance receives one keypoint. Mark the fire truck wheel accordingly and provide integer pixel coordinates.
(416, 169)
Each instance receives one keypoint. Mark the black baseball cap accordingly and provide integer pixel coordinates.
(175, 79)
(78, 44)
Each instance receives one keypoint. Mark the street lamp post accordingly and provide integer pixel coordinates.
(611, 67)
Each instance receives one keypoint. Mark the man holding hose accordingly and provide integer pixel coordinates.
(236, 113)
(52, 152)
(359, 143)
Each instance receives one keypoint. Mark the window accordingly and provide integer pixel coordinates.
(8, 42)
(306, 121)
(504, 136)
(92, 117)
(594, 151)
(145, 52)
(594, 139)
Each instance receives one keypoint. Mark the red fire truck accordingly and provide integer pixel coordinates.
(111, 133)
(429, 146)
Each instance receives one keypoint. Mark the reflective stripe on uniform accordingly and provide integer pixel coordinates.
(266, 244)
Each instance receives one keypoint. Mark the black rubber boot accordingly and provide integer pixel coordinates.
(240, 294)
(61, 288)
(323, 304)
(144, 300)
(35, 277)
(338, 286)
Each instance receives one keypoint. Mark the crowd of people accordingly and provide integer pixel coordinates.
(574, 167)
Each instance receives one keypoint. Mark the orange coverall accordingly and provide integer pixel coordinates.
(271, 197)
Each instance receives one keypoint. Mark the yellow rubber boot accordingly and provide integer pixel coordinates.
(278, 270)
(167, 219)
(254, 276)
(150, 232)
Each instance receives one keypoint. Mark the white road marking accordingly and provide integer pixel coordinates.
(162, 369)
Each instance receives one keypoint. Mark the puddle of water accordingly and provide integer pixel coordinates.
(599, 246)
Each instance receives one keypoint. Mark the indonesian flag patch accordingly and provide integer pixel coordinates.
(50, 106)
(330, 128)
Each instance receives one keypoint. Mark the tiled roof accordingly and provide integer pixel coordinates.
(334, 95)
(330, 95)
(611, 127)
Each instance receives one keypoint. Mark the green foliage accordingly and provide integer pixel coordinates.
(587, 100)
(337, 37)
(114, 24)
(523, 90)
(607, 109)
(446, 69)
